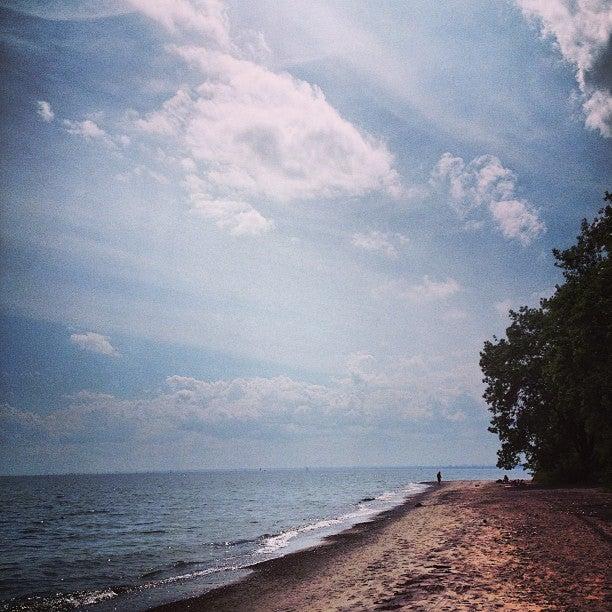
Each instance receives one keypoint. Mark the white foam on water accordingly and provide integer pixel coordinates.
(97, 596)
(90, 598)
(365, 510)
(73, 600)
(191, 575)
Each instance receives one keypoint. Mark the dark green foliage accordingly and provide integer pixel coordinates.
(549, 381)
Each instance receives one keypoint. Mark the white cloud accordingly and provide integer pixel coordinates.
(473, 225)
(258, 133)
(517, 220)
(44, 111)
(470, 185)
(382, 242)
(426, 290)
(94, 343)
(598, 112)
(582, 30)
(238, 217)
(205, 17)
(484, 181)
(250, 133)
(87, 128)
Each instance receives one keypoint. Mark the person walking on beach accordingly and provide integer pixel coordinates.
(439, 477)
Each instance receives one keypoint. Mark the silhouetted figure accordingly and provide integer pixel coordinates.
(439, 477)
(506, 479)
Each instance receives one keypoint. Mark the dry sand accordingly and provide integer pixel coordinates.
(470, 546)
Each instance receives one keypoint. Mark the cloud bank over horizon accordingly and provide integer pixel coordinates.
(371, 398)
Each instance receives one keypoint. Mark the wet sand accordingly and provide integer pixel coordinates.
(469, 546)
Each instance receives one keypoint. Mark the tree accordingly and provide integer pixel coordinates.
(548, 382)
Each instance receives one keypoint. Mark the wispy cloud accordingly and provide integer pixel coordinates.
(237, 217)
(424, 291)
(382, 242)
(207, 18)
(86, 128)
(94, 343)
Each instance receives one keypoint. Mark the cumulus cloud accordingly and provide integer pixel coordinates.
(94, 343)
(470, 185)
(381, 242)
(90, 130)
(247, 137)
(258, 133)
(517, 220)
(582, 30)
(253, 134)
(485, 182)
(44, 111)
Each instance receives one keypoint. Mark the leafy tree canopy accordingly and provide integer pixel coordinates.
(548, 381)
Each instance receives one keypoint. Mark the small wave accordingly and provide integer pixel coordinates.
(80, 599)
(92, 597)
(66, 601)
(230, 543)
(85, 512)
(181, 563)
(190, 575)
(366, 510)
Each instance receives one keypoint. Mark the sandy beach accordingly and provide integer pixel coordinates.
(461, 546)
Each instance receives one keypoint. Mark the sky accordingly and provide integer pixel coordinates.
(261, 234)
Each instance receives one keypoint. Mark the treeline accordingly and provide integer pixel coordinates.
(549, 380)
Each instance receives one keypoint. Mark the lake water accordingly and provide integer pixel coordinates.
(130, 541)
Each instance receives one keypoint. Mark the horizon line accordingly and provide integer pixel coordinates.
(252, 469)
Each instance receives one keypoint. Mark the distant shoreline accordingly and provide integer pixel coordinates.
(433, 468)
(464, 544)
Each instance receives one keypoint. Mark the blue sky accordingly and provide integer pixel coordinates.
(277, 234)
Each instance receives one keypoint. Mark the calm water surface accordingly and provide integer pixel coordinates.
(129, 541)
